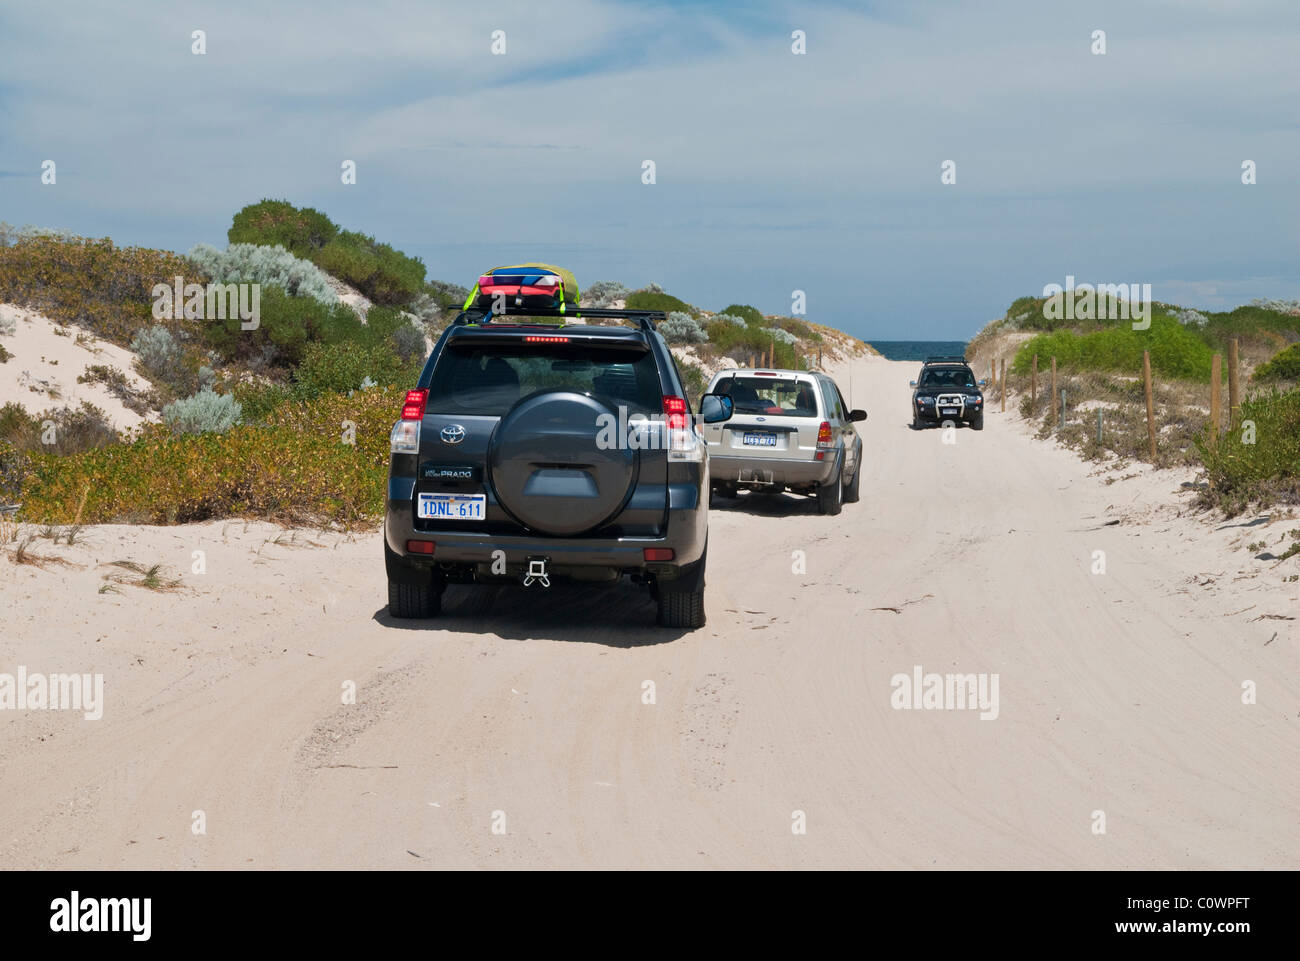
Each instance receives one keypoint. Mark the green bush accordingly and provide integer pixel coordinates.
(1258, 460)
(657, 300)
(258, 398)
(1175, 350)
(343, 366)
(300, 231)
(287, 325)
(750, 315)
(1284, 365)
(384, 275)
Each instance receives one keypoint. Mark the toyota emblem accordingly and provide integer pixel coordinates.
(452, 434)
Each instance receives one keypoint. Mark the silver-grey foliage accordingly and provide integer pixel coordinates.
(205, 412)
(158, 350)
(256, 264)
(603, 293)
(682, 328)
(408, 341)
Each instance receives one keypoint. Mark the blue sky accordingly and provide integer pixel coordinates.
(775, 172)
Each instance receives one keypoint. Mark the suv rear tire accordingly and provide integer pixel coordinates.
(830, 497)
(681, 601)
(414, 599)
(681, 608)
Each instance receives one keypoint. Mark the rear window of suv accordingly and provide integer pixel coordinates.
(489, 379)
(784, 397)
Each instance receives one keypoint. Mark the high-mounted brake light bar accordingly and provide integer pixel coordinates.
(645, 319)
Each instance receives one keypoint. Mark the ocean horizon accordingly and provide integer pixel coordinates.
(918, 349)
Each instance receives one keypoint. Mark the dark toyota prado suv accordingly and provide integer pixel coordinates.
(536, 449)
(947, 391)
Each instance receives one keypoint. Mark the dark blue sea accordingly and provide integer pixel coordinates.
(918, 349)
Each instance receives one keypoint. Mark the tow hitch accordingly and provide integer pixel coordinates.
(537, 572)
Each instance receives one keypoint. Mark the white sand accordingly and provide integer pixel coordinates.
(47, 359)
(1119, 692)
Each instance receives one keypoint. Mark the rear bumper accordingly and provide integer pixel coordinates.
(771, 470)
(685, 534)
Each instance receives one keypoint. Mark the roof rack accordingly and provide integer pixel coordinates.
(948, 359)
(645, 319)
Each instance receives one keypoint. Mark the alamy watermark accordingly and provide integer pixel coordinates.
(919, 691)
(53, 692)
(182, 301)
(1098, 302)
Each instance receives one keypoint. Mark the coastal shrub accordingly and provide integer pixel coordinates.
(682, 328)
(267, 266)
(657, 300)
(90, 283)
(750, 315)
(296, 467)
(1262, 465)
(205, 412)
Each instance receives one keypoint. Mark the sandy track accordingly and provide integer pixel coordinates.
(1118, 692)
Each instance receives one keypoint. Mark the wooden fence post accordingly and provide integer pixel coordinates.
(1151, 407)
(1053, 396)
(1234, 393)
(1216, 396)
(1004, 385)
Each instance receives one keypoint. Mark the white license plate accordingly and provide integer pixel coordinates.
(751, 439)
(949, 410)
(452, 507)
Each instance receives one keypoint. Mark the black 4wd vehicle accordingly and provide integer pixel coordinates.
(530, 451)
(947, 391)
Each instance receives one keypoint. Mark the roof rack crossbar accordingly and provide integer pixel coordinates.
(645, 319)
(946, 359)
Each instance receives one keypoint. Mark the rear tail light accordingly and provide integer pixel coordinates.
(405, 438)
(683, 443)
(421, 547)
(413, 406)
(676, 409)
(824, 438)
(658, 553)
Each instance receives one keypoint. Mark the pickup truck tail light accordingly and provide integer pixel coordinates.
(683, 443)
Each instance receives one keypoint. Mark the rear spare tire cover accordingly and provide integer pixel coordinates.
(548, 470)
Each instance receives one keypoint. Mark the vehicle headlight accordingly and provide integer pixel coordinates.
(925, 400)
(974, 399)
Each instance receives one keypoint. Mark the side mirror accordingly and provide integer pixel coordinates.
(911, 383)
(715, 408)
(857, 415)
(984, 382)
